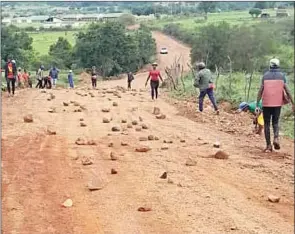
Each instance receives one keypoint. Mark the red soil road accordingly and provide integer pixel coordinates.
(39, 171)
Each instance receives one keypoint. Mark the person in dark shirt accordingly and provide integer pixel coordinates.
(130, 78)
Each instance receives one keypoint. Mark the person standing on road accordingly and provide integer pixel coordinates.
(203, 81)
(30, 83)
(130, 78)
(53, 73)
(71, 79)
(25, 78)
(154, 75)
(40, 77)
(274, 93)
(19, 78)
(10, 75)
(93, 77)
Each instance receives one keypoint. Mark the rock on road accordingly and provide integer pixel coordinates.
(41, 171)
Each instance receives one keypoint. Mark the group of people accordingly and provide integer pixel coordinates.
(22, 79)
(272, 95)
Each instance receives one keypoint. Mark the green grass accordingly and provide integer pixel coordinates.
(43, 40)
(233, 17)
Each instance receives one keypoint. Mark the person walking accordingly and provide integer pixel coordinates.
(203, 81)
(93, 77)
(25, 78)
(71, 79)
(40, 77)
(53, 73)
(30, 83)
(19, 78)
(130, 78)
(274, 93)
(154, 75)
(10, 75)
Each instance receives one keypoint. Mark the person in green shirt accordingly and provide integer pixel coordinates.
(258, 117)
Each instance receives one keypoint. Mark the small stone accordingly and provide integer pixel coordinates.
(129, 126)
(76, 103)
(124, 143)
(143, 138)
(111, 144)
(157, 138)
(164, 148)
(65, 104)
(124, 121)
(91, 142)
(144, 126)
(113, 171)
(138, 129)
(86, 161)
(52, 110)
(143, 149)
(115, 129)
(164, 175)
(51, 131)
(190, 162)
(140, 118)
(80, 141)
(221, 155)
(144, 209)
(156, 111)
(105, 110)
(28, 119)
(273, 199)
(216, 144)
(82, 124)
(83, 107)
(81, 119)
(151, 137)
(113, 156)
(168, 141)
(94, 186)
(182, 141)
(115, 104)
(48, 99)
(170, 181)
(134, 122)
(161, 116)
(105, 120)
(43, 91)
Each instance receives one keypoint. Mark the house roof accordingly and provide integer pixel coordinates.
(39, 17)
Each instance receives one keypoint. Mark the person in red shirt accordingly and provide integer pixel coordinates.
(154, 75)
(10, 75)
(25, 78)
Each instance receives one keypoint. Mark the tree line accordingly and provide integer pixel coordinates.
(109, 47)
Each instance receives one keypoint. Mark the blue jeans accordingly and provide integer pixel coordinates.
(210, 94)
(71, 82)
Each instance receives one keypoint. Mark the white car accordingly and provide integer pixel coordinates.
(164, 51)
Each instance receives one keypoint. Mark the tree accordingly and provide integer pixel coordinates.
(127, 19)
(207, 7)
(255, 12)
(61, 52)
(113, 49)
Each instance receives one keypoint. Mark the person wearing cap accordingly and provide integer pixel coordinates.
(154, 75)
(53, 73)
(203, 81)
(274, 93)
(40, 77)
(10, 75)
(258, 116)
(71, 79)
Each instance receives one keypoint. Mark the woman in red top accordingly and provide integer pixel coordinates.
(154, 75)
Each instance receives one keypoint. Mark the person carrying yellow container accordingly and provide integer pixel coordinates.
(258, 120)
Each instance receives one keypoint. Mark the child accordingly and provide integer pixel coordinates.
(71, 79)
(30, 80)
(258, 117)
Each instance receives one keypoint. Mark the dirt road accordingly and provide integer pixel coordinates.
(40, 171)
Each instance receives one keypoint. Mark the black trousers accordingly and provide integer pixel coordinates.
(39, 84)
(154, 87)
(12, 81)
(93, 83)
(129, 84)
(271, 114)
(47, 84)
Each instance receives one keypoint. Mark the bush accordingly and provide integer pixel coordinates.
(255, 12)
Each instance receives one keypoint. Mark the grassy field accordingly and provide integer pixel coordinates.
(43, 40)
(234, 18)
